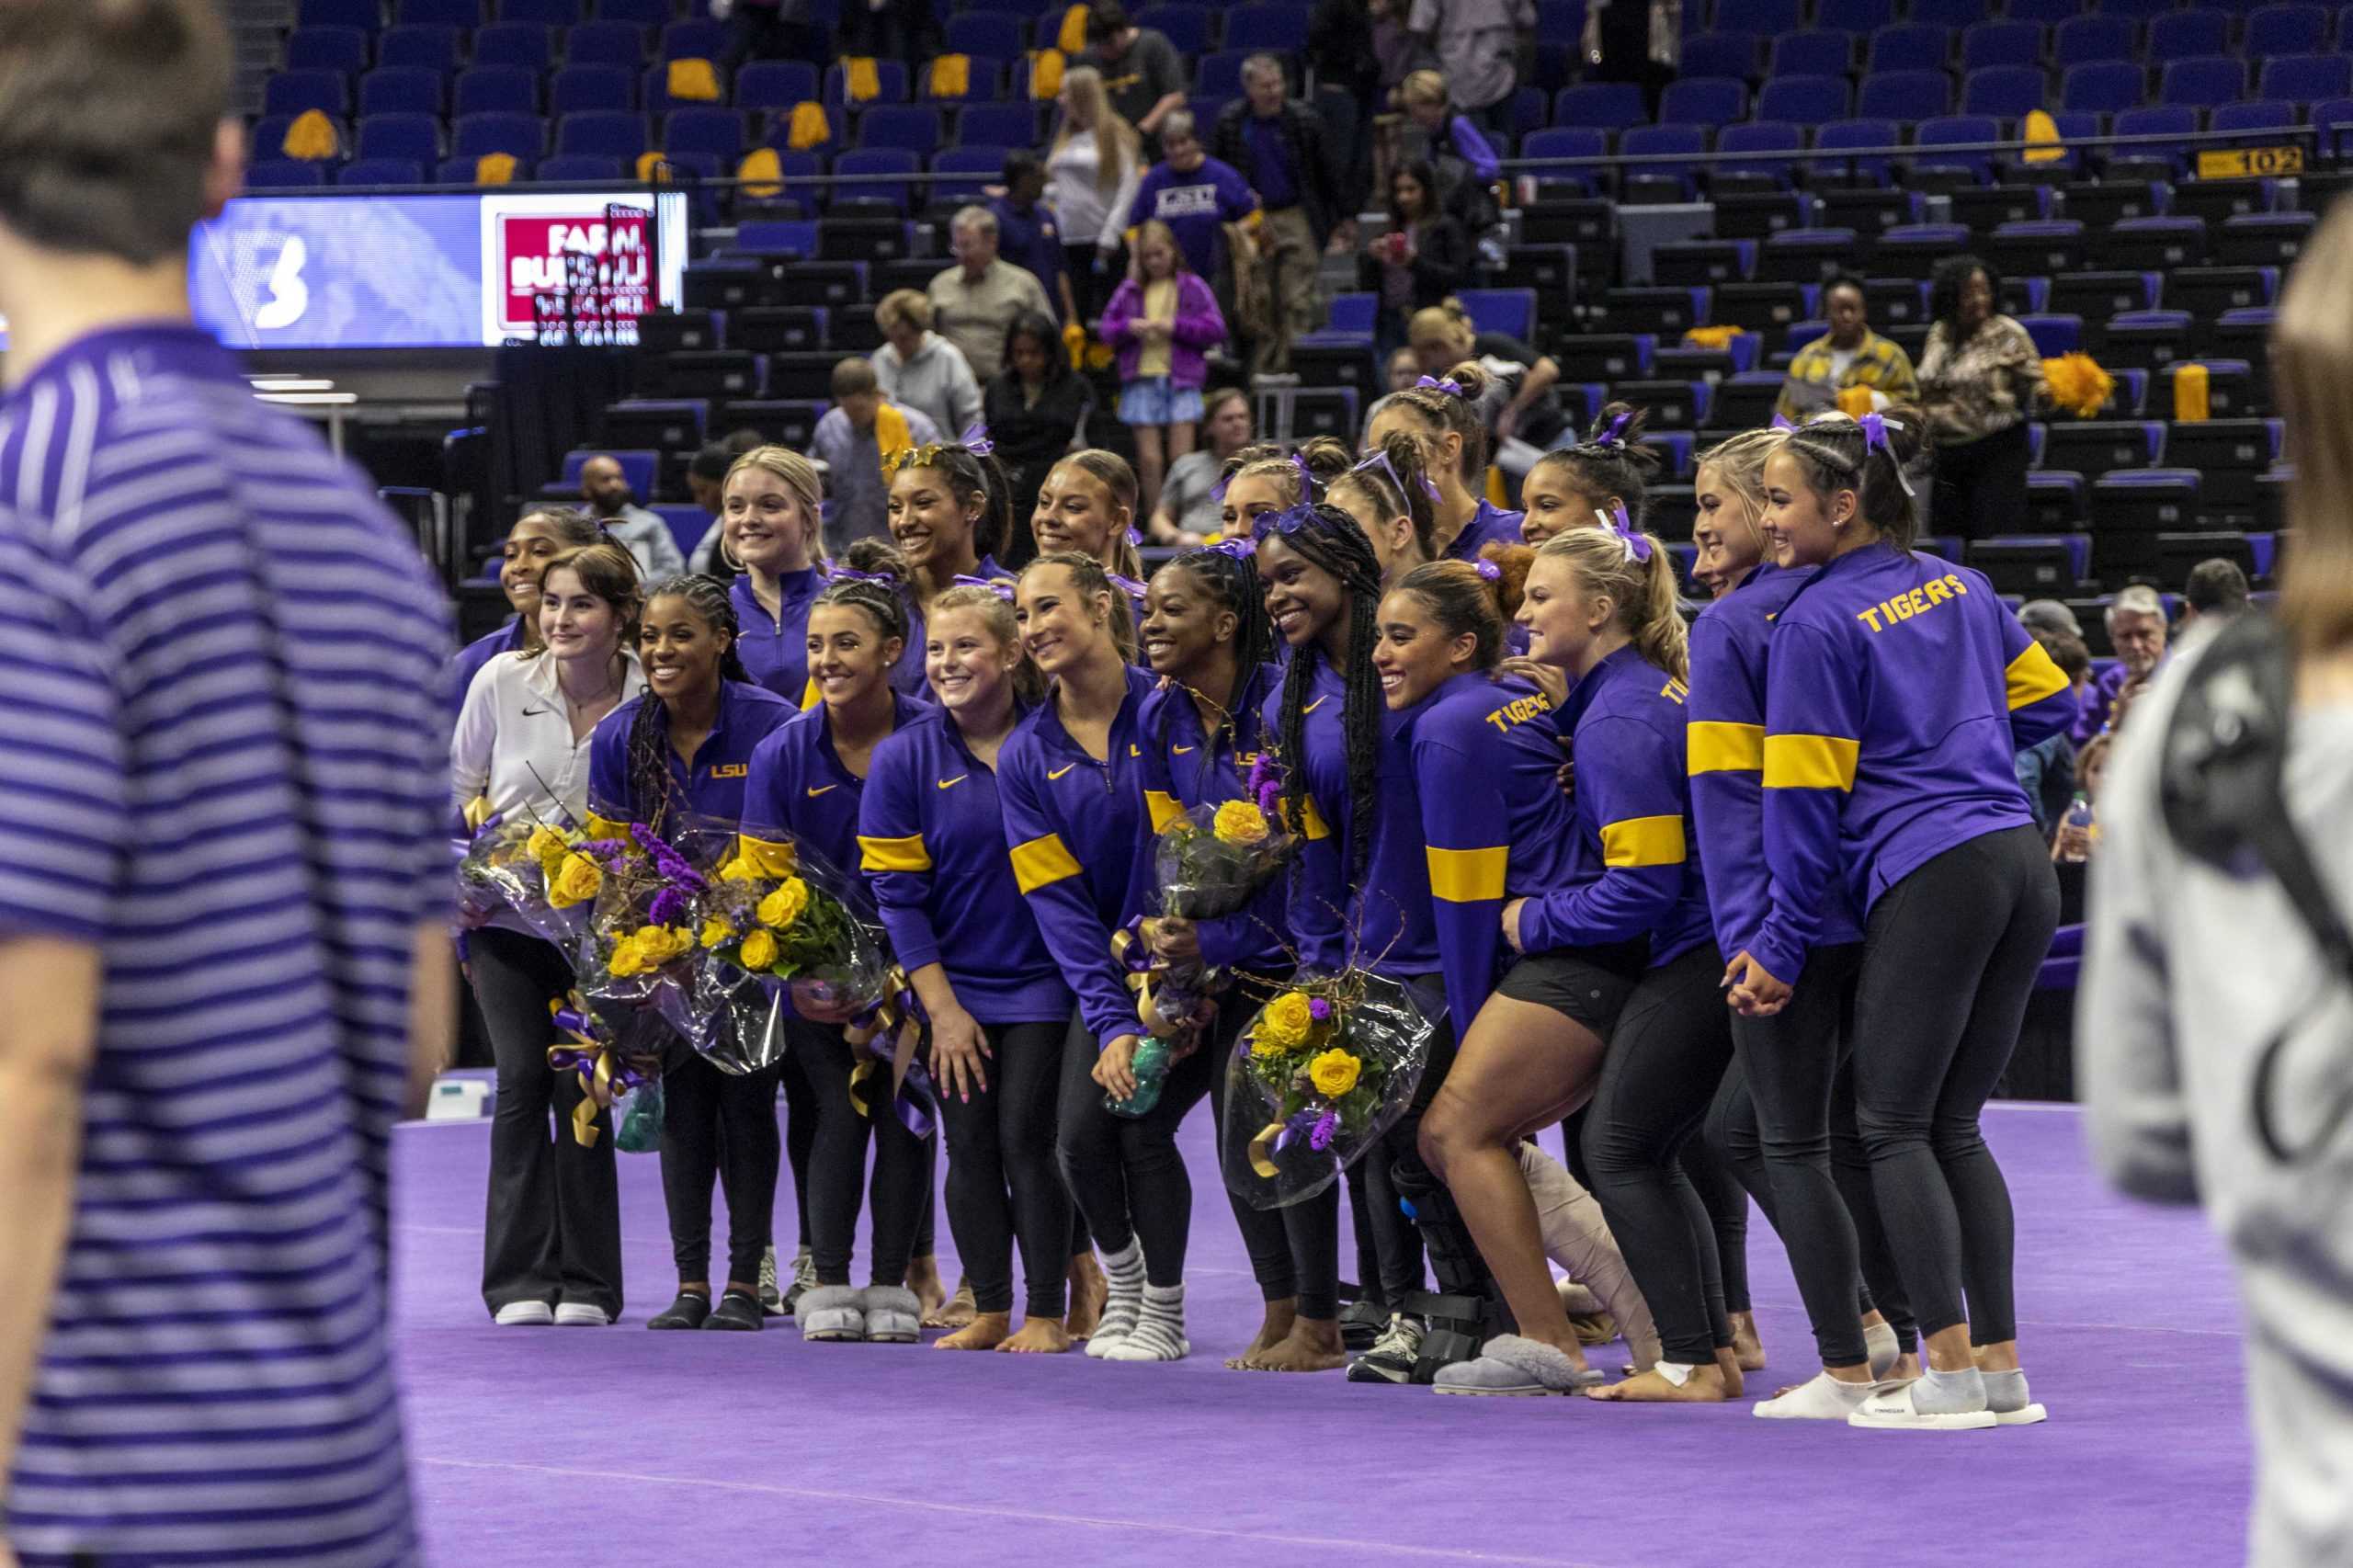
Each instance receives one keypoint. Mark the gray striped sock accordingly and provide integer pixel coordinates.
(1160, 1332)
(1123, 1272)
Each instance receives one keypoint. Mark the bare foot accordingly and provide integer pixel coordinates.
(960, 1310)
(1705, 1386)
(1594, 1328)
(987, 1331)
(1312, 1346)
(1038, 1337)
(1088, 1291)
(1728, 1364)
(923, 1278)
(1906, 1368)
(1744, 1342)
(1273, 1329)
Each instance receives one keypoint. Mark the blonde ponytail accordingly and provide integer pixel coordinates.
(1650, 608)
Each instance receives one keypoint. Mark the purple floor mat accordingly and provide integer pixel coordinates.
(619, 1446)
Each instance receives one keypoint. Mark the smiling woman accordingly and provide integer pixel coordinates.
(769, 520)
(949, 512)
(537, 537)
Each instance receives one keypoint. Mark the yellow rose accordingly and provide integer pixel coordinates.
(663, 943)
(628, 958)
(740, 870)
(575, 881)
(716, 931)
(784, 906)
(760, 951)
(547, 847)
(1333, 1074)
(1286, 1020)
(1239, 821)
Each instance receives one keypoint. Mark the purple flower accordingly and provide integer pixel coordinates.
(667, 907)
(1319, 1009)
(1326, 1126)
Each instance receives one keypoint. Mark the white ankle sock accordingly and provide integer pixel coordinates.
(1123, 1273)
(1159, 1333)
(1880, 1343)
(1820, 1398)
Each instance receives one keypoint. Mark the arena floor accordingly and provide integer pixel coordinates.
(624, 1448)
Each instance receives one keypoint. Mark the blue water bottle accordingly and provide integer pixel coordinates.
(1151, 1068)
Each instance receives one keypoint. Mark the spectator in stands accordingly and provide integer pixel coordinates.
(857, 436)
(707, 483)
(1478, 44)
(604, 484)
(1850, 368)
(890, 30)
(1034, 407)
(2216, 590)
(1278, 144)
(1979, 377)
(1196, 195)
(1444, 334)
(920, 371)
(1143, 74)
(1162, 320)
(1338, 33)
(2047, 768)
(1634, 40)
(1425, 257)
(1187, 513)
(2069, 843)
(1456, 151)
(767, 30)
(1092, 171)
(1029, 234)
(1404, 367)
(2040, 616)
(2136, 629)
(976, 301)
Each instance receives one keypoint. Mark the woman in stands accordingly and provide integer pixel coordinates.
(1092, 170)
(674, 760)
(1035, 407)
(770, 523)
(1424, 257)
(947, 512)
(1603, 480)
(931, 837)
(1898, 693)
(1980, 377)
(551, 1242)
(1442, 412)
(1523, 379)
(1074, 820)
(1088, 506)
(539, 536)
(801, 807)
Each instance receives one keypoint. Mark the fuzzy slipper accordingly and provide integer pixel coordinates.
(893, 1314)
(1512, 1365)
(832, 1313)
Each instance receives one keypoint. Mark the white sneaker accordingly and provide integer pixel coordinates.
(580, 1314)
(525, 1315)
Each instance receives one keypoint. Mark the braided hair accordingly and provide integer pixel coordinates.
(1397, 491)
(1835, 455)
(885, 602)
(1611, 461)
(970, 475)
(1233, 579)
(652, 795)
(1332, 542)
(1438, 412)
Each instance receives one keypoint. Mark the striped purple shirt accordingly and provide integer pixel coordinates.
(225, 763)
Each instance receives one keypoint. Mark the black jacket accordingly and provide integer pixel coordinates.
(1444, 256)
(1310, 159)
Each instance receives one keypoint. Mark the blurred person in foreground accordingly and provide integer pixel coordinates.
(2215, 1024)
(224, 868)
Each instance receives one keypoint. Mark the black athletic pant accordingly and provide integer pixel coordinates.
(1950, 954)
(715, 1125)
(1125, 1171)
(551, 1230)
(1665, 1059)
(1709, 1168)
(837, 1176)
(1401, 1169)
(1003, 1186)
(1294, 1250)
(1389, 1248)
(1981, 486)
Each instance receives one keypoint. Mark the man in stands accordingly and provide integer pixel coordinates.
(1848, 364)
(1278, 144)
(1196, 195)
(974, 301)
(2216, 590)
(1143, 74)
(856, 437)
(603, 485)
(1028, 234)
(2136, 629)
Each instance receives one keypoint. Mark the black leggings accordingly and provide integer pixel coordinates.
(1665, 1059)
(800, 1135)
(715, 1125)
(1949, 957)
(1294, 1250)
(837, 1178)
(1708, 1165)
(1125, 1171)
(1002, 1183)
(1981, 486)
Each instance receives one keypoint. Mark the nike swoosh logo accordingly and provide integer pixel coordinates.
(1185, 751)
(1058, 772)
(1313, 706)
(818, 790)
(535, 712)
(950, 783)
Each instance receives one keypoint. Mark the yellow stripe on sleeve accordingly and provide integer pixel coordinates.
(607, 827)
(894, 853)
(1643, 841)
(1312, 825)
(766, 858)
(1043, 862)
(2031, 676)
(1468, 876)
(1716, 746)
(1162, 807)
(809, 695)
(1809, 762)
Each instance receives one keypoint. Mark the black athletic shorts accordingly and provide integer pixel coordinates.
(1589, 985)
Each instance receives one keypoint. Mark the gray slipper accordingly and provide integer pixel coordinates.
(893, 1315)
(1512, 1365)
(832, 1313)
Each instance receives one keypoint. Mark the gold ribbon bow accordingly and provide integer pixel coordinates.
(887, 1016)
(1262, 1151)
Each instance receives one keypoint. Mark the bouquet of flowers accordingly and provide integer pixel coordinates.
(1213, 860)
(1323, 1070)
(639, 943)
(617, 1054)
(545, 872)
(759, 933)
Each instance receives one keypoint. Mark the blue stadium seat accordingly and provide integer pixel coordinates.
(1768, 16)
(2054, 335)
(1950, 130)
(294, 91)
(496, 89)
(460, 171)
(981, 164)
(2048, 11)
(1862, 132)
(422, 49)
(526, 44)
(327, 49)
(1567, 142)
(1722, 54)
(1602, 106)
(581, 89)
(546, 12)
(890, 82)
(1219, 76)
(461, 14)
(1854, 16)
(776, 84)
(1953, 13)
(2007, 92)
(283, 174)
(1761, 136)
(2284, 29)
(1989, 44)
(1820, 52)
(2203, 81)
(654, 92)
(2143, 9)
(380, 171)
(1703, 101)
(2103, 86)
(716, 131)
(914, 127)
(1279, 29)
(640, 12)
(517, 135)
(601, 133)
(605, 43)
(391, 90)
(2306, 78)
(267, 138)
(2081, 39)
(1804, 100)
(416, 137)
(1511, 311)
(1649, 141)
(2155, 119)
(979, 32)
(1909, 48)
(1903, 95)
(877, 160)
(582, 168)
(2260, 114)
(699, 40)
(1005, 125)
(365, 15)
(1192, 28)
(2184, 35)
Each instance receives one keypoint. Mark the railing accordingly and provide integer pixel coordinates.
(2324, 137)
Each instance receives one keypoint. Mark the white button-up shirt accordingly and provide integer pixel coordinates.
(513, 743)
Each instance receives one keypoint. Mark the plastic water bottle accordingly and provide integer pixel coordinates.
(1151, 1068)
(2086, 824)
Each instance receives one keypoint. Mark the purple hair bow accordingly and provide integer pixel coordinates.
(1307, 482)
(1488, 570)
(976, 441)
(1127, 585)
(1446, 384)
(1002, 590)
(850, 574)
(1237, 547)
(1638, 546)
(1875, 431)
(1782, 421)
(1380, 461)
(1616, 434)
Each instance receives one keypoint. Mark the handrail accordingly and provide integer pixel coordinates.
(1916, 151)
